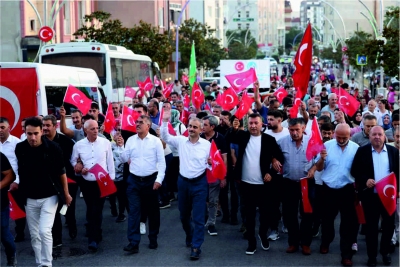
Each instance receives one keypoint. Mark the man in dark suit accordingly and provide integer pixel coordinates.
(253, 169)
(371, 163)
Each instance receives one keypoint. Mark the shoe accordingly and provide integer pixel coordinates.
(354, 247)
(284, 229)
(188, 241)
(164, 205)
(264, 243)
(305, 250)
(251, 249)
(19, 238)
(371, 262)
(142, 228)
(387, 260)
(153, 245)
(81, 195)
(57, 243)
(73, 232)
(323, 249)
(171, 197)
(212, 230)
(225, 220)
(292, 249)
(131, 248)
(195, 254)
(93, 246)
(12, 260)
(242, 228)
(274, 235)
(347, 262)
(121, 218)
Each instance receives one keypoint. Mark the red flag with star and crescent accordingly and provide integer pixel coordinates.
(109, 122)
(347, 103)
(315, 144)
(387, 191)
(304, 195)
(297, 102)
(129, 116)
(78, 99)
(240, 81)
(186, 101)
(218, 170)
(104, 181)
(244, 106)
(15, 211)
(167, 90)
(197, 96)
(130, 92)
(280, 94)
(230, 99)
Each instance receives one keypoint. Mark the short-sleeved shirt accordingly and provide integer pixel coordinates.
(5, 166)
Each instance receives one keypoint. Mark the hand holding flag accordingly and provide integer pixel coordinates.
(104, 181)
(304, 195)
(78, 99)
(315, 144)
(109, 122)
(387, 191)
(129, 116)
(15, 211)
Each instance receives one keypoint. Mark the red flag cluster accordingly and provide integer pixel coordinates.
(147, 85)
(228, 100)
(109, 122)
(240, 81)
(347, 103)
(244, 106)
(104, 181)
(280, 94)
(77, 98)
(197, 96)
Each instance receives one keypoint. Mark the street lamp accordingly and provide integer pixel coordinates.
(344, 27)
(177, 40)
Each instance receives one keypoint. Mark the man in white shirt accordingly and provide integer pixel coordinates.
(274, 126)
(8, 143)
(145, 154)
(332, 105)
(86, 153)
(194, 155)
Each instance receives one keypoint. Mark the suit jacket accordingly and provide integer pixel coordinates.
(269, 150)
(363, 167)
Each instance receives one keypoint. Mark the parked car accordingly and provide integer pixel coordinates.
(272, 61)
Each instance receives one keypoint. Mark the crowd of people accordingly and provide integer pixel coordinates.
(264, 153)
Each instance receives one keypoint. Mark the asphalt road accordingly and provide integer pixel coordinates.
(226, 249)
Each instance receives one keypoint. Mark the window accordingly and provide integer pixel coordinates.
(239, 26)
(239, 3)
(32, 24)
(67, 18)
(209, 11)
(247, 14)
(161, 17)
(247, 26)
(239, 14)
(126, 72)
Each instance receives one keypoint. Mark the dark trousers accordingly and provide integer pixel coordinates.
(317, 207)
(141, 196)
(20, 223)
(94, 209)
(297, 233)
(224, 199)
(276, 199)
(6, 237)
(256, 195)
(163, 190)
(373, 210)
(192, 195)
(70, 215)
(171, 174)
(334, 201)
(120, 195)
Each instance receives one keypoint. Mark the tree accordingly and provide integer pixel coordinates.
(336, 57)
(357, 45)
(208, 48)
(141, 39)
(241, 45)
(290, 35)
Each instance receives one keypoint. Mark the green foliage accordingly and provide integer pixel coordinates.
(327, 53)
(357, 45)
(290, 35)
(208, 48)
(242, 45)
(142, 39)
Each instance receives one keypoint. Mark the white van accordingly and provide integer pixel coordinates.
(30, 89)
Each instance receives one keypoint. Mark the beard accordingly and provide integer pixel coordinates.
(311, 116)
(325, 139)
(270, 127)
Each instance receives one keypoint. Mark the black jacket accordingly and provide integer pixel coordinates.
(362, 168)
(269, 150)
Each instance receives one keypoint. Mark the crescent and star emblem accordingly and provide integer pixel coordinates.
(386, 187)
(8, 95)
(340, 101)
(73, 98)
(302, 48)
(129, 119)
(229, 96)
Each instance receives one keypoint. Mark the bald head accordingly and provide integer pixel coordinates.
(342, 133)
(344, 128)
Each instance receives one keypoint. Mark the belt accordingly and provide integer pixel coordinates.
(193, 179)
(144, 178)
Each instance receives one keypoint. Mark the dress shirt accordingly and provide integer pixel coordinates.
(338, 163)
(192, 157)
(296, 164)
(381, 163)
(146, 156)
(8, 149)
(91, 153)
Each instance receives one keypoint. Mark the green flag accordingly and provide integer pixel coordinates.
(192, 67)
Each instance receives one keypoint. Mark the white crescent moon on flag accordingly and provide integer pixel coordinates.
(297, 99)
(277, 95)
(340, 101)
(8, 95)
(100, 175)
(386, 187)
(128, 119)
(235, 82)
(195, 91)
(73, 97)
(231, 97)
(42, 32)
(302, 48)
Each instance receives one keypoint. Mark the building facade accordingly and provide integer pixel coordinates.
(210, 12)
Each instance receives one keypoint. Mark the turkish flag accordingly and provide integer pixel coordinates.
(315, 144)
(186, 133)
(70, 181)
(230, 99)
(77, 98)
(168, 90)
(304, 195)
(280, 94)
(207, 107)
(109, 122)
(240, 81)
(15, 211)
(106, 184)
(147, 84)
(129, 116)
(297, 102)
(360, 212)
(302, 62)
(387, 191)
(185, 79)
(244, 106)
(197, 96)
(130, 92)
(141, 90)
(18, 98)
(184, 117)
(156, 81)
(186, 101)
(218, 164)
(334, 90)
(220, 99)
(347, 102)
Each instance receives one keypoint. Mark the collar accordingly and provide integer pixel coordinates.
(8, 139)
(203, 135)
(302, 139)
(383, 149)
(95, 141)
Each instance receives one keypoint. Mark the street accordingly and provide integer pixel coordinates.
(226, 249)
